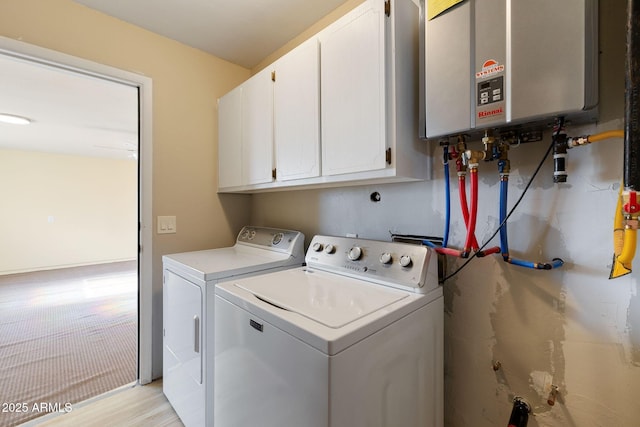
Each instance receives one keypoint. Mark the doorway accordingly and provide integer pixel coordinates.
(139, 147)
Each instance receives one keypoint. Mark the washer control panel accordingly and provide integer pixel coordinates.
(401, 264)
(273, 238)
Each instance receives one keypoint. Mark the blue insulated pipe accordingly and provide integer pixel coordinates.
(504, 244)
(447, 196)
(447, 201)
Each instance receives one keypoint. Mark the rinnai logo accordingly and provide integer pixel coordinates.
(490, 113)
(490, 67)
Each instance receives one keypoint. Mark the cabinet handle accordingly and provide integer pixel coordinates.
(196, 340)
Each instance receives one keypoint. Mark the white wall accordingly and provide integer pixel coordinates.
(571, 327)
(62, 211)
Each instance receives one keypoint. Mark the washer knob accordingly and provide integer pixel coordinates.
(386, 258)
(355, 253)
(405, 261)
(317, 246)
(329, 249)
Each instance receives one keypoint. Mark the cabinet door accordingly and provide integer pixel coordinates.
(257, 128)
(230, 139)
(353, 92)
(296, 102)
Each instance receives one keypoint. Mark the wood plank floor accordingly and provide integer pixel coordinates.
(130, 406)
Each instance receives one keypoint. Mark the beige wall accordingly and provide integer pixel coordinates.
(61, 211)
(186, 85)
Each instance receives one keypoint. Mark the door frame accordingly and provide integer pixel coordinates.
(39, 55)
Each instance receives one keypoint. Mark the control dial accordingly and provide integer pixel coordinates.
(355, 253)
(277, 239)
(405, 261)
(317, 246)
(329, 249)
(386, 258)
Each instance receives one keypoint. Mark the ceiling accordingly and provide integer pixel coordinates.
(71, 113)
(241, 31)
(82, 115)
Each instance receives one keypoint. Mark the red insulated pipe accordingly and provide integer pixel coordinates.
(448, 251)
(471, 224)
(465, 210)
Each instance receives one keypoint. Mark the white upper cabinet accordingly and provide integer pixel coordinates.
(230, 139)
(342, 108)
(245, 134)
(257, 129)
(296, 101)
(353, 92)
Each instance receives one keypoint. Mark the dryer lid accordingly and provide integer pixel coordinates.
(223, 263)
(331, 300)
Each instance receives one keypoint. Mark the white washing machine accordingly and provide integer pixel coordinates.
(188, 305)
(353, 339)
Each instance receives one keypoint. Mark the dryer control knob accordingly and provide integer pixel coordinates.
(405, 261)
(317, 246)
(329, 249)
(355, 253)
(386, 258)
(277, 239)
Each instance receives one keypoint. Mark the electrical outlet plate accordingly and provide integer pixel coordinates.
(166, 224)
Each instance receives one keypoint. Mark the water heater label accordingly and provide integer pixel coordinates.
(489, 68)
(490, 92)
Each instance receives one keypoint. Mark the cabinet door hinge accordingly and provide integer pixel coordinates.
(273, 76)
(388, 156)
(387, 7)
(273, 173)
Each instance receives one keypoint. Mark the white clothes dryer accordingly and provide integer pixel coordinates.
(353, 339)
(188, 305)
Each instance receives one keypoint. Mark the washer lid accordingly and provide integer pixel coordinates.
(331, 300)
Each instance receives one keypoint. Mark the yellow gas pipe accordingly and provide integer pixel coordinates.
(625, 221)
(624, 238)
(588, 139)
(606, 135)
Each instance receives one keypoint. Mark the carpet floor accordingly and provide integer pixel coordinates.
(65, 336)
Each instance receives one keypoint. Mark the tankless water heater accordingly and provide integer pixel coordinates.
(502, 63)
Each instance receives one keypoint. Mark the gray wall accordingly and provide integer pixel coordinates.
(571, 327)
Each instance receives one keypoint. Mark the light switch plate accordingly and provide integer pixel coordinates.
(166, 224)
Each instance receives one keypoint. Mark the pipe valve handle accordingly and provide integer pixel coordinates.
(632, 206)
